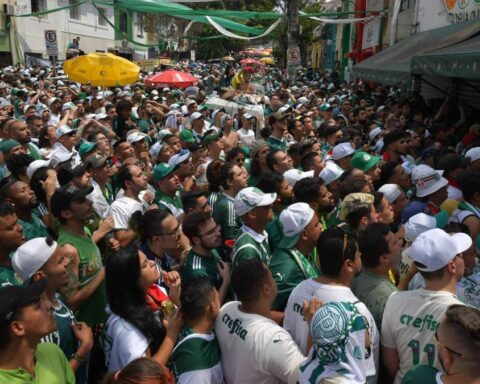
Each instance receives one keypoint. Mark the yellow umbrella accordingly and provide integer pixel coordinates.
(101, 69)
(228, 58)
(268, 60)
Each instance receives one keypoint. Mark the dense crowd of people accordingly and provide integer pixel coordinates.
(148, 235)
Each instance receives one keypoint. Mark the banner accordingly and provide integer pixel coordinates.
(32, 60)
(223, 31)
(462, 10)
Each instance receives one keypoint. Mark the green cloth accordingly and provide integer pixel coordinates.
(195, 352)
(246, 247)
(9, 277)
(64, 336)
(225, 216)
(289, 268)
(168, 203)
(424, 374)
(274, 232)
(373, 290)
(51, 367)
(120, 127)
(197, 265)
(33, 228)
(33, 152)
(92, 310)
(275, 144)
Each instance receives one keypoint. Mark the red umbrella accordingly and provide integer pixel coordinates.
(171, 78)
(251, 62)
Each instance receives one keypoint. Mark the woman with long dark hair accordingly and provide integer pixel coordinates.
(136, 327)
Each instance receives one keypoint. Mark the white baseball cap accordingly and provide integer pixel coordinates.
(37, 164)
(250, 198)
(293, 221)
(293, 175)
(196, 115)
(32, 255)
(375, 132)
(155, 149)
(473, 154)
(427, 180)
(136, 136)
(435, 248)
(58, 157)
(179, 158)
(421, 222)
(63, 130)
(331, 172)
(342, 150)
(391, 192)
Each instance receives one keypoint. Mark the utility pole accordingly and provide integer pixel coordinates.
(293, 52)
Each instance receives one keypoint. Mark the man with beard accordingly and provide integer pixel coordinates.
(183, 165)
(339, 260)
(458, 344)
(11, 237)
(23, 199)
(85, 290)
(20, 132)
(412, 318)
(312, 190)
(133, 182)
(25, 317)
(203, 259)
(395, 147)
(293, 261)
(168, 186)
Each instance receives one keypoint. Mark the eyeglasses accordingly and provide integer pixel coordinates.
(211, 232)
(176, 232)
(448, 349)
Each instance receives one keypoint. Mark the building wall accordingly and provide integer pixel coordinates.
(29, 31)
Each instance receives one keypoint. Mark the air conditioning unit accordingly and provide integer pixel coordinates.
(9, 9)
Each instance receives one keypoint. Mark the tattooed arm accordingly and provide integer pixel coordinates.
(72, 292)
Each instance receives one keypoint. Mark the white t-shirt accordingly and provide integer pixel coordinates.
(122, 210)
(247, 137)
(298, 327)
(123, 343)
(410, 321)
(255, 349)
(100, 204)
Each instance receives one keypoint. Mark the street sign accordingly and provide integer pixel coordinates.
(51, 42)
(293, 56)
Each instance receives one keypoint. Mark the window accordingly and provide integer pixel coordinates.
(75, 11)
(139, 25)
(38, 5)
(404, 6)
(102, 13)
(123, 22)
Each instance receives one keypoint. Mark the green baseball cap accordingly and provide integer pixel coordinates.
(7, 145)
(161, 171)
(85, 148)
(211, 137)
(364, 161)
(187, 136)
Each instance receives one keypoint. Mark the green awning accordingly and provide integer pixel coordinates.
(393, 65)
(460, 60)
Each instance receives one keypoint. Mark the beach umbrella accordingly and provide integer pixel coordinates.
(101, 69)
(171, 78)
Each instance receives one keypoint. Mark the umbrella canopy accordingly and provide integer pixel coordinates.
(228, 58)
(101, 69)
(171, 78)
(268, 60)
(251, 62)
